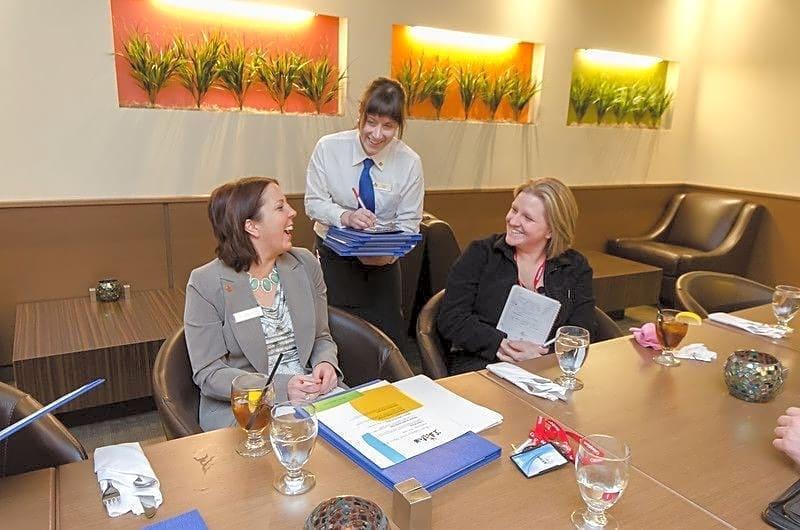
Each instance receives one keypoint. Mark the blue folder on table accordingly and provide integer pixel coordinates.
(433, 469)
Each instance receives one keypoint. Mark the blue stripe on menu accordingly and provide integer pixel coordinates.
(383, 449)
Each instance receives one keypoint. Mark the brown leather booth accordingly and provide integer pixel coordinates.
(705, 292)
(698, 231)
(433, 347)
(43, 443)
(365, 354)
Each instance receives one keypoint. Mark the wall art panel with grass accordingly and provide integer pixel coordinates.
(463, 76)
(614, 89)
(227, 55)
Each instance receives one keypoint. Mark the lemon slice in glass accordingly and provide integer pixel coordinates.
(687, 317)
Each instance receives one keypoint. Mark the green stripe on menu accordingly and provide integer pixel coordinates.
(338, 399)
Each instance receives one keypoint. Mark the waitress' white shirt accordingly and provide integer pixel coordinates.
(335, 169)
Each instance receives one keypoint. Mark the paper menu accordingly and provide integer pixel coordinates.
(528, 315)
(386, 425)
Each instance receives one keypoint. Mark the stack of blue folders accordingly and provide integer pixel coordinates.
(350, 242)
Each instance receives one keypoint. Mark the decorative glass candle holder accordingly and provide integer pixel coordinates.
(754, 376)
(109, 290)
(347, 512)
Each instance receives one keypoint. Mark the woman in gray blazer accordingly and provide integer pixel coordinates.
(259, 298)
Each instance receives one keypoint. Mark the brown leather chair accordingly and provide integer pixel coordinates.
(365, 352)
(606, 328)
(432, 347)
(43, 443)
(698, 231)
(705, 292)
(439, 250)
(177, 398)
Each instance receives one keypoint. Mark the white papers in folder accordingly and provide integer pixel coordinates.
(528, 315)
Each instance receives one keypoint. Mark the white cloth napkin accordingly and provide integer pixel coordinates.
(697, 351)
(121, 464)
(757, 328)
(533, 384)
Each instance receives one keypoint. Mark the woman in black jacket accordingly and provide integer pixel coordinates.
(535, 253)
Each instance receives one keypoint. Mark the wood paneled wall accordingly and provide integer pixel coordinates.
(59, 250)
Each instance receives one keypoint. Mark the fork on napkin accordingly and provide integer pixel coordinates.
(123, 466)
(757, 328)
(531, 383)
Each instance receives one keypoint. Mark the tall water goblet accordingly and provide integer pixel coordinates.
(292, 434)
(572, 346)
(785, 303)
(602, 467)
(670, 331)
(251, 413)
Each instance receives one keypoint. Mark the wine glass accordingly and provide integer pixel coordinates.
(601, 467)
(670, 332)
(572, 346)
(251, 411)
(292, 435)
(785, 303)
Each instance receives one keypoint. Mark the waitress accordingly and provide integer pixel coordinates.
(387, 174)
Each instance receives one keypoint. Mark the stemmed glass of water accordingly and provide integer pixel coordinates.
(572, 346)
(292, 434)
(785, 303)
(602, 469)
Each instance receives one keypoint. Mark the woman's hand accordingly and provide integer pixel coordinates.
(359, 219)
(377, 261)
(306, 387)
(513, 351)
(326, 374)
(788, 434)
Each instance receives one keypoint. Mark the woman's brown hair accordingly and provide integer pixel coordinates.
(384, 97)
(560, 208)
(229, 206)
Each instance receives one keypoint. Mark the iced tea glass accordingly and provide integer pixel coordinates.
(252, 413)
(670, 333)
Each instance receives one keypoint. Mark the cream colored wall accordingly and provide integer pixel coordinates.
(64, 136)
(747, 106)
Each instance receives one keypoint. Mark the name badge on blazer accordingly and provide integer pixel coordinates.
(383, 186)
(247, 314)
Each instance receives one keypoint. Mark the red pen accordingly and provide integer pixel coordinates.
(360, 202)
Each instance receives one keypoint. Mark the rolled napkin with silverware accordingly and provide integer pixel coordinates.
(127, 481)
(757, 328)
(531, 383)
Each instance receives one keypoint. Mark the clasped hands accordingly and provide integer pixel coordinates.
(361, 219)
(519, 350)
(320, 381)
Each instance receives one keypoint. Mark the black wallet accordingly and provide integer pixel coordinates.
(784, 512)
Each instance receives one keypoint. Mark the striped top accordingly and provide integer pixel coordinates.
(276, 323)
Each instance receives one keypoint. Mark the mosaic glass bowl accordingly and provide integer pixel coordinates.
(109, 290)
(754, 376)
(347, 512)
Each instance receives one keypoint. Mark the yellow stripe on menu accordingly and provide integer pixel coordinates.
(384, 403)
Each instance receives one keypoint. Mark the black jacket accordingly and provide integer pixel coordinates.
(478, 286)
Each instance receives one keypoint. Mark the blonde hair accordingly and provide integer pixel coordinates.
(560, 209)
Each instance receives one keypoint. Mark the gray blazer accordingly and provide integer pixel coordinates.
(220, 348)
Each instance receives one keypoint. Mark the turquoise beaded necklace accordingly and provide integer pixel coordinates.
(267, 283)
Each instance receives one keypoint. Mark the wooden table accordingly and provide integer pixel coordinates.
(29, 500)
(683, 427)
(60, 345)
(619, 283)
(204, 472)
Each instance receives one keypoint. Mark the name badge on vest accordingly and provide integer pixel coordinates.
(247, 314)
(383, 186)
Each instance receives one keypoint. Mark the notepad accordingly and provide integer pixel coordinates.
(528, 315)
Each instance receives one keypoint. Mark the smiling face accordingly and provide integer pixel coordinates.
(376, 132)
(526, 223)
(271, 232)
